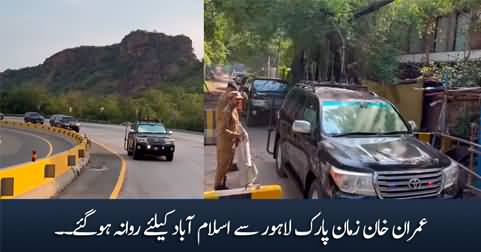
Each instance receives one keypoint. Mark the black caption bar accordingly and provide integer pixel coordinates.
(184, 225)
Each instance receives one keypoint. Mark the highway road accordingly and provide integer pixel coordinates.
(16, 145)
(111, 173)
(155, 178)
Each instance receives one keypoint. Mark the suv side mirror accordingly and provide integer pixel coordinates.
(412, 125)
(301, 126)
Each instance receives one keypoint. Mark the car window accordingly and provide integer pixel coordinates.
(289, 101)
(298, 107)
(67, 119)
(151, 128)
(341, 117)
(310, 114)
(269, 86)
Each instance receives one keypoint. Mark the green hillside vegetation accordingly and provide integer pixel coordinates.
(176, 107)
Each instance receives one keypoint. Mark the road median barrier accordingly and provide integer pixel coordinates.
(252, 192)
(45, 177)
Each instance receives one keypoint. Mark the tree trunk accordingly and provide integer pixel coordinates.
(429, 40)
(467, 39)
(298, 66)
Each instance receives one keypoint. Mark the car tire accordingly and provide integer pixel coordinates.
(316, 190)
(129, 153)
(250, 119)
(280, 161)
(169, 157)
(136, 155)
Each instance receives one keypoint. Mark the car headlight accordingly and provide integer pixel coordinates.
(450, 174)
(353, 182)
(142, 139)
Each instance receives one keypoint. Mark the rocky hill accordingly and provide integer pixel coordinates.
(141, 60)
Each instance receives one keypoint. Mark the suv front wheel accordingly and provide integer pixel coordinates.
(316, 191)
(280, 161)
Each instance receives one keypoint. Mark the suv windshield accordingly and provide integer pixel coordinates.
(151, 128)
(33, 114)
(269, 86)
(68, 119)
(360, 117)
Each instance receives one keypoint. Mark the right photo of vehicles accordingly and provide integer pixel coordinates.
(327, 111)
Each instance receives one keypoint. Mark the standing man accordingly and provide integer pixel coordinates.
(222, 103)
(229, 135)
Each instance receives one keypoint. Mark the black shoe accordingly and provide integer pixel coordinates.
(222, 187)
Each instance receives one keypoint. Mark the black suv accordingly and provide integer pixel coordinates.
(347, 143)
(146, 137)
(65, 121)
(265, 98)
(33, 117)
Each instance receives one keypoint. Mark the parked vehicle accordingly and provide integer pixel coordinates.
(33, 117)
(265, 98)
(2, 116)
(347, 143)
(65, 121)
(149, 138)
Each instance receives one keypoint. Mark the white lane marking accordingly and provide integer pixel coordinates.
(50, 147)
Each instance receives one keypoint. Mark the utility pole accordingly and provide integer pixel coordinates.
(268, 66)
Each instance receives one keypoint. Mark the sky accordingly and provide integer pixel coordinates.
(31, 30)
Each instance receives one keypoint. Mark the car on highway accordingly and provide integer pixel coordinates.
(339, 141)
(149, 138)
(265, 97)
(65, 122)
(2, 116)
(33, 117)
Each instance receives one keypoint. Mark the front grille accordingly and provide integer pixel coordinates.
(156, 140)
(409, 184)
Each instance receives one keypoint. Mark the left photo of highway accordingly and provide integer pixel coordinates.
(101, 99)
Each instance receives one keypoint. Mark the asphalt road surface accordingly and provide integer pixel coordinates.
(155, 178)
(265, 163)
(16, 145)
(148, 178)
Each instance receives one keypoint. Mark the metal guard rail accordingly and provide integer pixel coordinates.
(446, 143)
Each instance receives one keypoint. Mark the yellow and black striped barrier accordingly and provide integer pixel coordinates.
(253, 192)
(209, 127)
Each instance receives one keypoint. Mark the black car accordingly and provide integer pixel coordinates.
(346, 143)
(65, 121)
(33, 117)
(149, 138)
(265, 98)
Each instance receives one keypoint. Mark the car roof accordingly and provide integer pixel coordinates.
(328, 93)
(337, 91)
(274, 79)
(148, 122)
